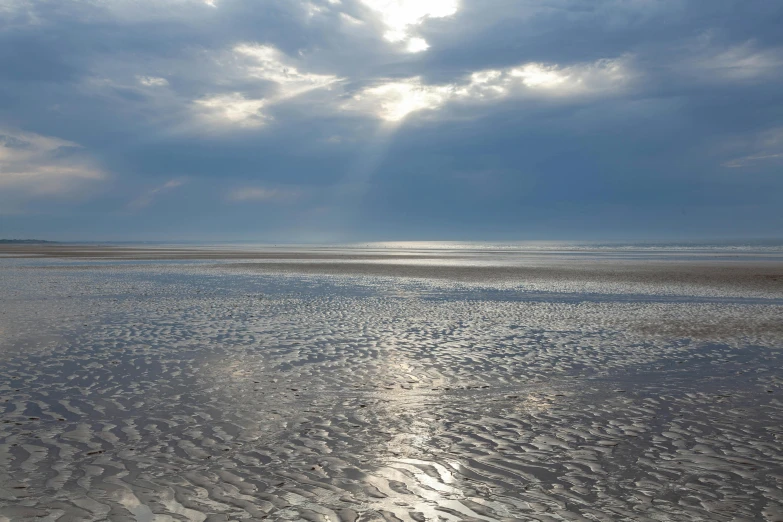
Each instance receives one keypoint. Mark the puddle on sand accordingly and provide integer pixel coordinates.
(187, 392)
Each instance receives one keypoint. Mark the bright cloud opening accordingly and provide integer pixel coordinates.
(394, 101)
(400, 16)
(269, 64)
(537, 75)
(417, 45)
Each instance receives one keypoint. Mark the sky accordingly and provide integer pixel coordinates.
(367, 120)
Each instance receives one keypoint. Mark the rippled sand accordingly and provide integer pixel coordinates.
(186, 384)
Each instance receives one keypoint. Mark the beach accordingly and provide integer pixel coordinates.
(391, 382)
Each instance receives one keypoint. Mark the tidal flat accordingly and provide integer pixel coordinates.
(424, 382)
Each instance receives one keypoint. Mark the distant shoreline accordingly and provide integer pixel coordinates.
(758, 273)
(26, 242)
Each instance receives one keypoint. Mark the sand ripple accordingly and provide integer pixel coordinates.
(190, 392)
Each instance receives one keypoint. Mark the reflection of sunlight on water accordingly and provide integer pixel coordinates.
(131, 502)
(413, 442)
(399, 462)
(436, 495)
(413, 472)
(534, 403)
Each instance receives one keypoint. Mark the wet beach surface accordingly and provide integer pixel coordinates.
(186, 384)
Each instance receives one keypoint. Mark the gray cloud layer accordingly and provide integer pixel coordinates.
(353, 119)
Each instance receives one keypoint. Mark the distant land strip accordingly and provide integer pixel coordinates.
(25, 242)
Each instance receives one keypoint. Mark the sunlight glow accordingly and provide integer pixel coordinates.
(268, 63)
(538, 75)
(399, 16)
(281, 81)
(395, 100)
(417, 45)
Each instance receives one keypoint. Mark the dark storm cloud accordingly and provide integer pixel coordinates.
(613, 118)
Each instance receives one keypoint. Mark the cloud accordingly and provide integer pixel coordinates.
(749, 160)
(231, 108)
(265, 194)
(257, 67)
(393, 101)
(651, 106)
(266, 63)
(152, 81)
(37, 166)
(744, 61)
(400, 17)
(146, 199)
(135, 11)
(767, 149)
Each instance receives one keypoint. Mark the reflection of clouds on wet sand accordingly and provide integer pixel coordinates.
(192, 392)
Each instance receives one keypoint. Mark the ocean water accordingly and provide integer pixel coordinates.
(415, 381)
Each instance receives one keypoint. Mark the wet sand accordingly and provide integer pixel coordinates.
(363, 385)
